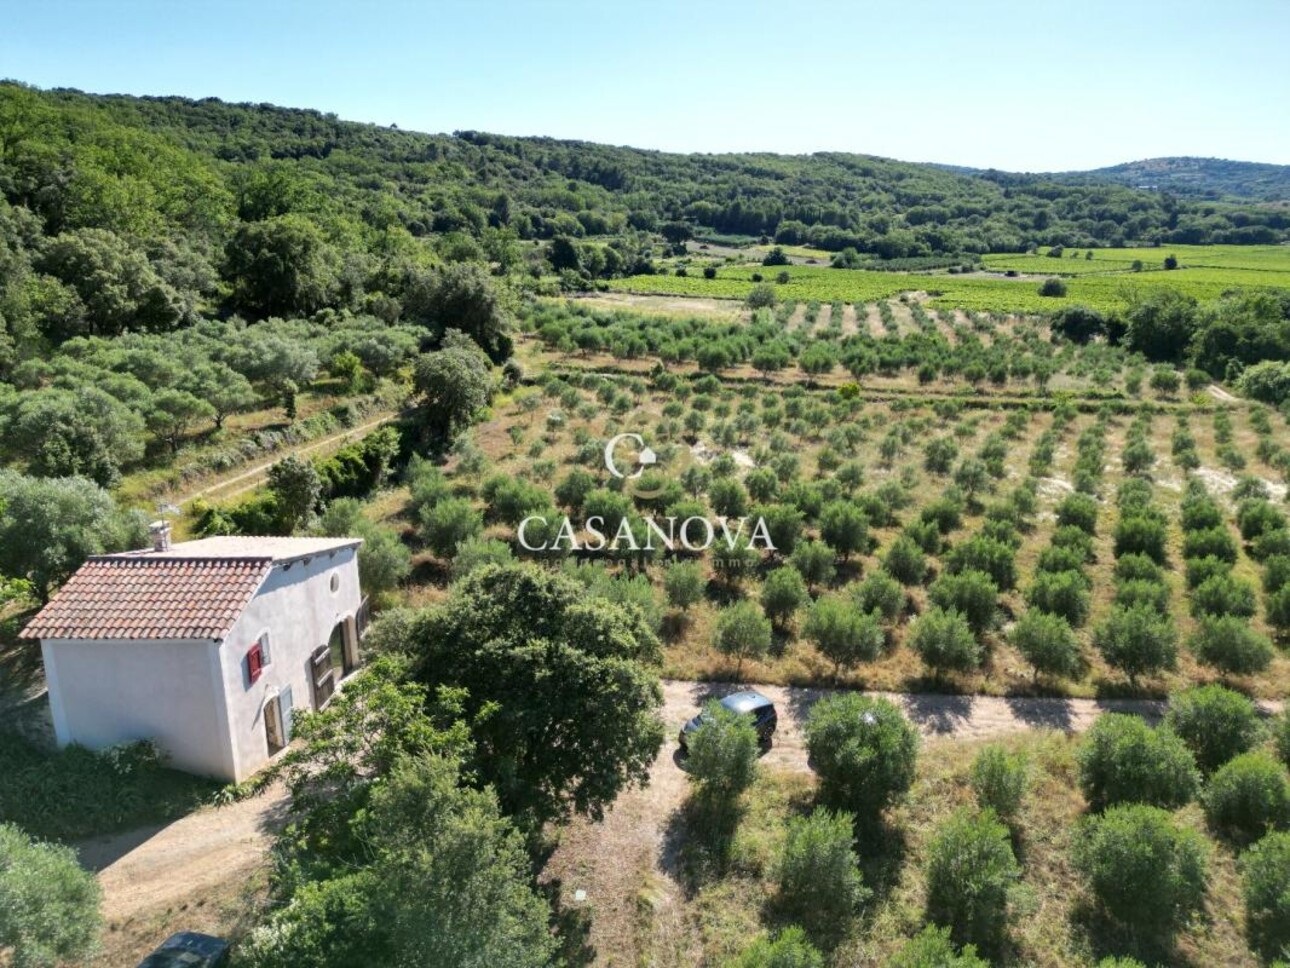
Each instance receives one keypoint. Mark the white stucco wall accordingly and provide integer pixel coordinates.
(107, 692)
(298, 609)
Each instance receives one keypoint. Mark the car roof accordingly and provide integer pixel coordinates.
(746, 701)
(186, 948)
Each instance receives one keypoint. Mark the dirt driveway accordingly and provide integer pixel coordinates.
(201, 872)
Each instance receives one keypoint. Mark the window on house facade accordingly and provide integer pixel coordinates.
(254, 662)
(323, 676)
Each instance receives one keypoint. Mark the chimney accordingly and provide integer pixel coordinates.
(160, 531)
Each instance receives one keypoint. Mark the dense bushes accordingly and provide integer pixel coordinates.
(864, 751)
(1248, 796)
(970, 868)
(1265, 876)
(75, 793)
(1123, 760)
(820, 885)
(1215, 723)
(999, 780)
(1145, 870)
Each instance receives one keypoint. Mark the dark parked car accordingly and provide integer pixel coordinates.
(749, 703)
(188, 949)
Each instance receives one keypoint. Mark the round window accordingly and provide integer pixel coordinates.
(335, 584)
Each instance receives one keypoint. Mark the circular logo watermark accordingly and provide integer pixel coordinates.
(645, 458)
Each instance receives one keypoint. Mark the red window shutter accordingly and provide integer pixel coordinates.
(255, 662)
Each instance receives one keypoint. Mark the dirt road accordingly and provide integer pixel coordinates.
(252, 477)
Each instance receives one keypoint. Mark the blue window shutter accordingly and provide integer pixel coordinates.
(285, 712)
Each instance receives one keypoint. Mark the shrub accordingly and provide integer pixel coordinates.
(1265, 881)
(449, 523)
(970, 868)
(1072, 537)
(970, 593)
(945, 641)
(722, 753)
(1230, 645)
(683, 583)
(1000, 780)
(906, 562)
(782, 594)
(1063, 593)
(1201, 570)
(989, 555)
(1223, 595)
(742, 632)
(1123, 760)
(1152, 594)
(1079, 511)
(882, 593)
(864, 750)
(1277, 608)
(1281, 736)
(762, 297)
(1216, 723)
(1137, 641)
(1141, 535)
(1256, 517)
(49, 904)
(789, 949)
(820, 885)
(1138, 568)
(1276, 573)
(1052, 287)
(1055, 559)
(842, 633)
(1047, 642)
(1146, 871)
(1248, 796)
(1271, 543)
(932, 948)
(1201, 514)
(1210, 541)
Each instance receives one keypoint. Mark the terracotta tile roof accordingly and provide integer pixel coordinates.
(128, 597)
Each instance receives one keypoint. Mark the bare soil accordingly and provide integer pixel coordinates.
(204, 872)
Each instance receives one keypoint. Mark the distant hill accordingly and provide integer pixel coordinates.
(1213, 178)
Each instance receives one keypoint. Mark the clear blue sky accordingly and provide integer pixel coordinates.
(1031, 85)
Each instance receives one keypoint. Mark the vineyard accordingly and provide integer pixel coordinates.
(1108, 282)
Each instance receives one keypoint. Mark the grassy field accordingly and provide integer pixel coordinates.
(1105, 282)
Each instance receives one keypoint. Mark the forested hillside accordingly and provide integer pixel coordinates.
(1200, 177)
(145, 212)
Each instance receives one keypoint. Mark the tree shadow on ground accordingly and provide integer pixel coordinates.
(1042, 713)
(882, 849)
(1108, 938)
(572, 925)
(697, 840)
(939, 713)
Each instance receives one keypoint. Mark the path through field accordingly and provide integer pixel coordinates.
(252, 477)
